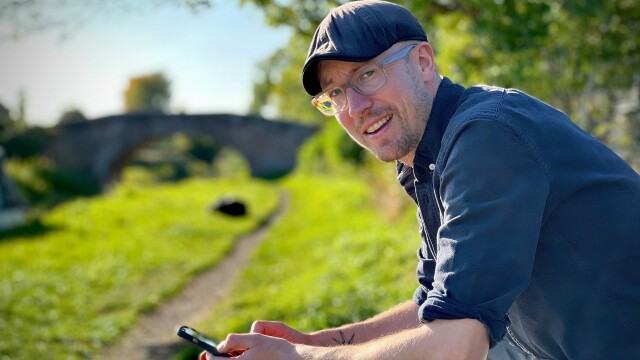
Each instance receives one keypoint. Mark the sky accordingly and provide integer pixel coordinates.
(210, 58)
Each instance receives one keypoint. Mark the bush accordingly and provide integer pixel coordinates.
(331, 150)
(27, 143)
(41, 183)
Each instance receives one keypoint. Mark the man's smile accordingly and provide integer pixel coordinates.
(375, 127)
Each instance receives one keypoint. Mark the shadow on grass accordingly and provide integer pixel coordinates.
(33, 229)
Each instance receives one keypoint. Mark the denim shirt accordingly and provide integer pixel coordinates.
(528, 224)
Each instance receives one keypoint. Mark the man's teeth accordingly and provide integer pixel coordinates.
(378, 125)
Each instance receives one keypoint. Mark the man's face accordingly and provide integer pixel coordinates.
(390, 122)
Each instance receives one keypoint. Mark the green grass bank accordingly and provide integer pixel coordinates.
(78, 278)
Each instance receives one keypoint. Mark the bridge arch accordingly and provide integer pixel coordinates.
(99, 148)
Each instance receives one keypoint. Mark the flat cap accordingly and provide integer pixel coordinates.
(358, 31)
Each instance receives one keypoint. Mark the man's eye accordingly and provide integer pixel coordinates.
(335, 92)
(368, 74)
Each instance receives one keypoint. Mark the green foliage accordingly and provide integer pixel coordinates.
(280, 87)
(571, 42)
(229, 162)
(42, 184)
(331, 150)
(76, 280)
(302, 15)
(26, 142)
(147, 93)
(71, 115)
(578, 55)
(12, 127)
(179, 156)
(203, 149)
(587, 53)
(7, 123)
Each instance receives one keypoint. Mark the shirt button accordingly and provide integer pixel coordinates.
(432, 167)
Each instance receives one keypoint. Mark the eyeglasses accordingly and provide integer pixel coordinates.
(365, 81)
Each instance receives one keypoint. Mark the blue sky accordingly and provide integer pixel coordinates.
(210, 58)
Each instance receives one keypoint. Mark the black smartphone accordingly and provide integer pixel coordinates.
(200, 340)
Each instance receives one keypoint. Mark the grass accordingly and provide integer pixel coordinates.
(331, 259)
(75, 280)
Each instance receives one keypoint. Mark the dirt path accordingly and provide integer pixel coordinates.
(154, 336)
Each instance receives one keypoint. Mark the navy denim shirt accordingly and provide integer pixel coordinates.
(528, 224)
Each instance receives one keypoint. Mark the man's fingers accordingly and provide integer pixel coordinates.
(240, 342)
(258, 327)
(263, 327)
(207, 356)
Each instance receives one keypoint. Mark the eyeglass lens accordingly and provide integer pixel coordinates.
(366, 82)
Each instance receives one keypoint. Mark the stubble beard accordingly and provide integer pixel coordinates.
(400, 146)
(410, 136)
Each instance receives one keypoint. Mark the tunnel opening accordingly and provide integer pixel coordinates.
(179, 156)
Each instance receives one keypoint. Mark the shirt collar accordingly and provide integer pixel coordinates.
(444, 106)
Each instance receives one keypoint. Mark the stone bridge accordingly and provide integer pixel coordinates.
(98, 149)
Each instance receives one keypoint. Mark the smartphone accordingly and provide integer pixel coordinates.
(200, 340)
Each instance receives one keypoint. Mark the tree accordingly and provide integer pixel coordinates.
(71, 115)
(147, 93)
(578, 55)
(21, 119)
(587, 52)
(10, 125)
(279, 86)
(6, 122)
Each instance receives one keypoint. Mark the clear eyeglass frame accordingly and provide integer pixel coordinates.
(365, 81)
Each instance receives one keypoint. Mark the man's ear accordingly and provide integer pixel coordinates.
(426, 61)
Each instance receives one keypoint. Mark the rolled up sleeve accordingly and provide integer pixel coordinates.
(493, 189)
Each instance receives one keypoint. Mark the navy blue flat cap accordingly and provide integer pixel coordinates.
(358, 31)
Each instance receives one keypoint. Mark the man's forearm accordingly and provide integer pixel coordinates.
(440, 339)
(398, 318)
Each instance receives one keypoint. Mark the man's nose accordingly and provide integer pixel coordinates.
(357, 103)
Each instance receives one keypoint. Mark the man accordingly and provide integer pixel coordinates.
(530, 227)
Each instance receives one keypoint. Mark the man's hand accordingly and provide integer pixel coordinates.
(280, 330)
(257, 346)
(271, 329)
